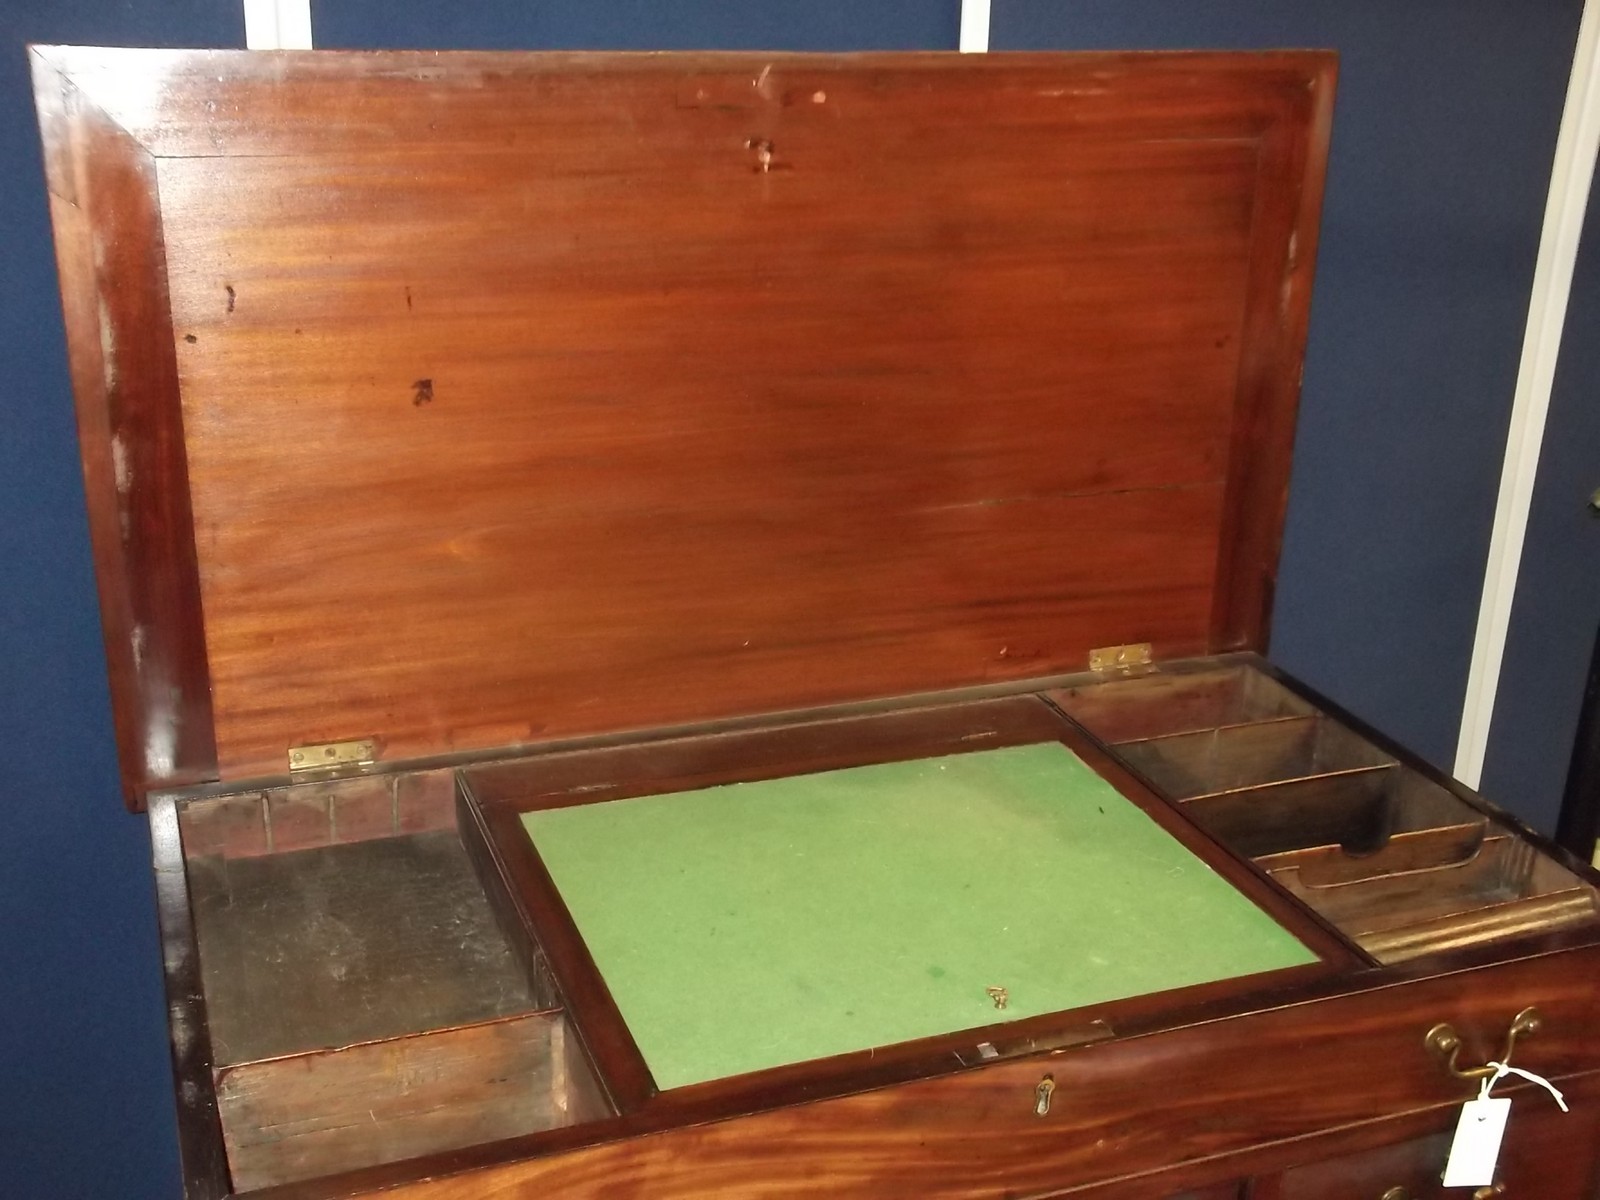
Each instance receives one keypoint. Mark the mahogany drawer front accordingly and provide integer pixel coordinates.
(1411, 1167)
(1118, 1108)
(1546, 1155)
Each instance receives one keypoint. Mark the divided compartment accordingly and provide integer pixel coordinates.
(1400, 864)
(362, 1005)
(1171, 702)
(1502, 888)
(1187, 766)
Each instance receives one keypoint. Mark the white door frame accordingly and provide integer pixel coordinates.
(1568, 198)
(974, 26)
(277, 24)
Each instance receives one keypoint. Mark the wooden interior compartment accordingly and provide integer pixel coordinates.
(1347, 825)
(1395, 860)
(1186, 765)
(1505, 888)
(1211, 695)
(362, 1005)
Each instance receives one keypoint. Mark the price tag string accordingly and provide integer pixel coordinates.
(1501, 1070)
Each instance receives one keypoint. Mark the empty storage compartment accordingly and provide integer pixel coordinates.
(1354, 822)
(362, 1005)
(1183, 701)
(1183, 766)
(1504, 888)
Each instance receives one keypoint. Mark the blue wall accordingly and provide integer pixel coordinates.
(1446, 122)
(637, 25)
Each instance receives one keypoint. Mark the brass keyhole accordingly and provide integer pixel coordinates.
(1041, 1096)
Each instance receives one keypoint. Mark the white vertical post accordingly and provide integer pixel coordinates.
(1570, 177)
(974, 26)
(277, 24)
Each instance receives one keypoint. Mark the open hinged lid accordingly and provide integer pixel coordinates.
(466, 400)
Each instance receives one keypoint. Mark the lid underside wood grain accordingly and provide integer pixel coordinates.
(530, 396)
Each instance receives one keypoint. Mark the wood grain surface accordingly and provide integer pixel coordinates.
(1128, 1107)
(533, 396)
(314, 1114)
(202, 1154)
(110, 254)
(1536, 1160)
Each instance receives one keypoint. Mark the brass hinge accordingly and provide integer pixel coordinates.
(331, 755)
(1120, 659)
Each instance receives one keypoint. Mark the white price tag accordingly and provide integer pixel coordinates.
(1476, 1150)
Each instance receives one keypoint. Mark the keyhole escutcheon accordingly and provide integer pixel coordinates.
(1042, 1094)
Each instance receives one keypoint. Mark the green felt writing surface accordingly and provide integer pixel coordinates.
(758, 924)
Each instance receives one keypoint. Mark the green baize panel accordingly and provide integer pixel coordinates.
(757, 924)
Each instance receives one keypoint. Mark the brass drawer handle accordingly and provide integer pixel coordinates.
(1396, 1193)
(1490, 1192)
(1445, 1043)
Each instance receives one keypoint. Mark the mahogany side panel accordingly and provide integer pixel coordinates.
(1294, 155)
(111, 259)
(202, 1153)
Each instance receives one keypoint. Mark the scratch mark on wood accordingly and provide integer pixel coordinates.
(1068, 494)
(121, 468)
